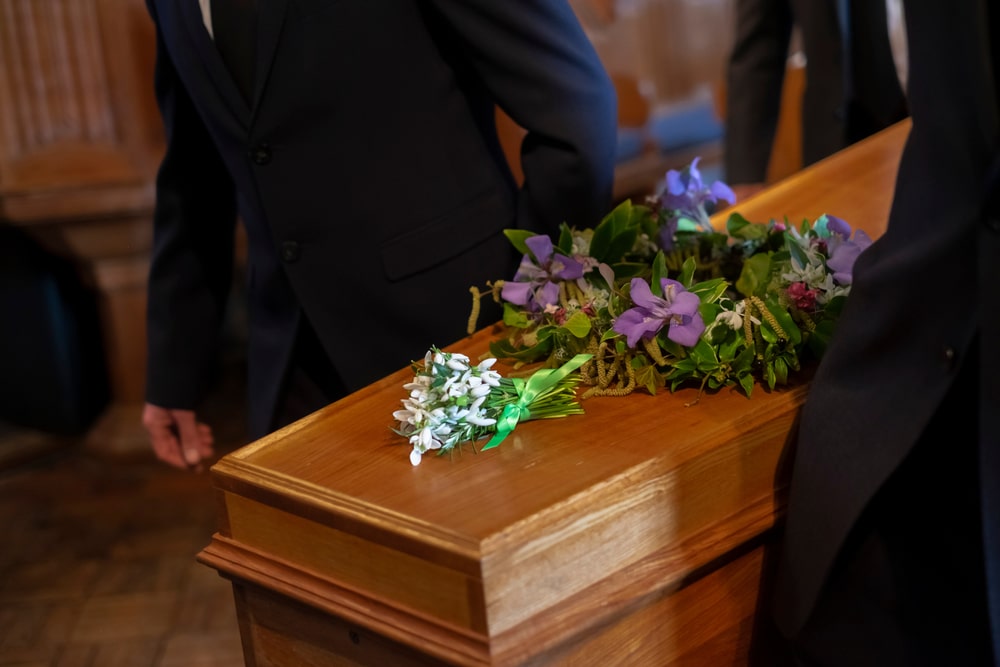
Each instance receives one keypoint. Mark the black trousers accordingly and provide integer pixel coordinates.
(909, 588)
(311, 383)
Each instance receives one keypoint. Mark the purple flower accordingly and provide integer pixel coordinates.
(533, 285)
(678, 308)
(682, 194)
(685, 191)
(843, 250)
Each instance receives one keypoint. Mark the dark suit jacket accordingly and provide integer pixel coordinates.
(840, 104)
(368, 174)
(920, 294)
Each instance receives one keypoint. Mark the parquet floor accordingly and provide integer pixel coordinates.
(97, 559)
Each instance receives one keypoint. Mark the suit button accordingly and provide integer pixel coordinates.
(949, 358)
(260, 154)
(290, 252)
(993, 223)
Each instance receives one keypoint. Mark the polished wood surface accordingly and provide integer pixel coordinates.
(577, 541)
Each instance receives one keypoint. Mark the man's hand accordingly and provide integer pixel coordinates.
(178, 438)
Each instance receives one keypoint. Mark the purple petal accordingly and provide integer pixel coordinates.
(643, 297)
(517, 293)
(565, 267)
(528, 271)
(838, 226)
(636, 324)
(841, 261)
(667, 234)
(685, 303)
(722, 191)
(862, 239)
(675, 185)
(694, 182)
(540, 246)
(688, 331)
(547, 295)
(669, 287)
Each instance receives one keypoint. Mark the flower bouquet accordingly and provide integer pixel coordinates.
(657, 297)
(652, 297)
(452, 402)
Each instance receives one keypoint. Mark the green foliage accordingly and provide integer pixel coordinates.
(766, 298)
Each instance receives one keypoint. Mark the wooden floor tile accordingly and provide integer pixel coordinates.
(98, 560)
(116, 618)
(201, 650)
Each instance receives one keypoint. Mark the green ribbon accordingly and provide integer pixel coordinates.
(540, 382)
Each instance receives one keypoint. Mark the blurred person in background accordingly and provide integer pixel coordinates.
(855, 71)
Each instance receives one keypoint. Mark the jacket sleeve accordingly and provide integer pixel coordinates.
(541, 68)
(754, 76)
(193, 240)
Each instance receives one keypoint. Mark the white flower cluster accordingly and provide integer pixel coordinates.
(447, 403)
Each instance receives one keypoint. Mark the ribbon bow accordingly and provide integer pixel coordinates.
(527, 392)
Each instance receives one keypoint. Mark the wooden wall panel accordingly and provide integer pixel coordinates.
(80, 141)
(71, 112)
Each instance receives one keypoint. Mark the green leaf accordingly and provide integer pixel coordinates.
(704, 355)
(565, 243)
(647, 376)
(744, 362)
(578, 324)
(755, 274)
(659, 267)
(735, 223)
(503, 349)
(798, 255)
(687, 271)
(517, 237)
(784, 318)
(742, 229)
(616, 233)
(514, 316)
(710, 291)
(627, 270)
(780, 371)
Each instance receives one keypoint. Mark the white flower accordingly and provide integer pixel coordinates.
(446, 403)
(458, 362)
(731, 319)
(480, 420)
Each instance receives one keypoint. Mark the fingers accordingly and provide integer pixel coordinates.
(190, 436)
(159, 424)
(177, 437)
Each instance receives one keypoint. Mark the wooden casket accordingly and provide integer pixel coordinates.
(631, 535)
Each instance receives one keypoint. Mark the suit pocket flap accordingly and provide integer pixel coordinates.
(436, 241)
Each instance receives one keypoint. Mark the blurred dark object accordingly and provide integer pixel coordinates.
(52, 370)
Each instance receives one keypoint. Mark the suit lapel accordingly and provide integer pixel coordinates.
(270, 20)
(213, 63)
